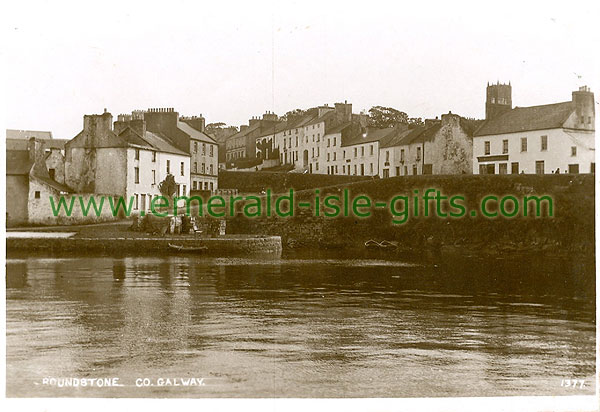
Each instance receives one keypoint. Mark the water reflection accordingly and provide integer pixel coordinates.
(301, 326)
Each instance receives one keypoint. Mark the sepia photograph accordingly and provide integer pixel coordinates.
(300, 205)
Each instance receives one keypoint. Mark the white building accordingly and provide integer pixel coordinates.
(126, 161)
(537, 139)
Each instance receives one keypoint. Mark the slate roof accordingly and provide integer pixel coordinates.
(319, 119)
(370, 135)
(21, 144)
(162, 144)
(194, 133)
(521, 119)
(58, 186)
(26, 134)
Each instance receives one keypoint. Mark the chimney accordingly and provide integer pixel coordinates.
(343, 112)
(270, 117)
(35, 147)
(94, 124)
(450, 120)
(244, 127)
(584, 108)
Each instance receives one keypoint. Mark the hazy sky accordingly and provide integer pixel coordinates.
(233, 60)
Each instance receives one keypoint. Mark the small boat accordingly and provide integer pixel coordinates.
(187, 248)
(385, 244)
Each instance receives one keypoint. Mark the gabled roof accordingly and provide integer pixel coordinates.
(22, 144)
(194, 133)
(322, 118)
(521, 119)
(26, 134)
(244, 132)
(131, 137)
(54, 184)
(162, 144)
(410, 136)
(368, 136)
(337, 129)
(18, 162)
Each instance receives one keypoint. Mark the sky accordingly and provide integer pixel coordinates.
(230, 61)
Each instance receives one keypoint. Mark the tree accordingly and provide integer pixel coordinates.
(293, 113)
(217, 125)
(415, 121)
(168, 187)
(383, 117)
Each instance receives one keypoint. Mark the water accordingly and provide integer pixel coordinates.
(299, 326)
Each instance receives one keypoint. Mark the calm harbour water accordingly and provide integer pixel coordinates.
(300, 326)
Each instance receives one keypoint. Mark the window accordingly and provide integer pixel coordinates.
(136, 202)
(52, 173)
(212, 150)
(203, 168)
(317, 166)
(327, 156)
(211, 169)
(194, 185)
(184, 192)
(362, 169)
(203, 149)
(334, 156)
(574, 169)
(37, 194)
(386, 173)
(505, 146)
(137, 154)
(514, 168)
(402, 155)
(328, 142)
(154, 156)
(362, 151)
(154, 177)
(296, 138)
(486, 148)
(523, 144)
(371, 147)
(418, 153)
(573, 150)
(195, 147)
(387, 155)
(334, 139)
(355, 170)
(137, 174)
(503, 168)
(371, 168)
(168, 166)
(181, 167)
(544, 143)
(397, 170)
(195, 167)
(355, 151)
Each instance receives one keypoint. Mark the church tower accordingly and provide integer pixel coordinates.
(499, 99)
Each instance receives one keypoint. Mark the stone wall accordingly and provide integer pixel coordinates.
(571, 230)
(41, 213)
(17, 195)
(255, 182)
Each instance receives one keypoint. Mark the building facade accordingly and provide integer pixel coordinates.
(550, 138)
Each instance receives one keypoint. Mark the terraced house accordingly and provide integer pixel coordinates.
(551, 138)
(439, 147)
(127, 160)
(202, 149)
